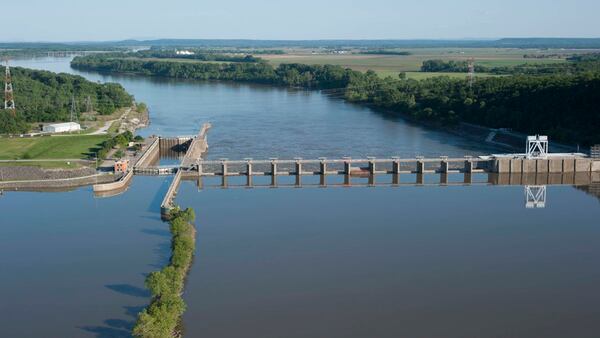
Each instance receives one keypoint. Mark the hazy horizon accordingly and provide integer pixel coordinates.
(111, 20)
(332, 39)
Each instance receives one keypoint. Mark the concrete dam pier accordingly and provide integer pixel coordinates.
(536, 167)
(501, 164)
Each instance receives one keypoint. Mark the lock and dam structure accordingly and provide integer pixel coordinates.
(535, 168)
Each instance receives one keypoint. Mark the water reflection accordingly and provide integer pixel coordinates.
(427, 260)
(534, 185)
(535, 196)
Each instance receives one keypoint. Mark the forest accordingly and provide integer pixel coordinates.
(42, 96)
(573, 65)
(563, 106)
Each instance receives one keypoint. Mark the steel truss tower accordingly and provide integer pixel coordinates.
(9, 99)
(471, 74)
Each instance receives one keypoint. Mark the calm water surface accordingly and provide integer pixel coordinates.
(73, 265)
(393, 262)
(357, 262)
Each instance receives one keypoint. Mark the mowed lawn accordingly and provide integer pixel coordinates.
(50, 147)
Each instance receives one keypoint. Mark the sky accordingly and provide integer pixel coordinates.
(83, 20)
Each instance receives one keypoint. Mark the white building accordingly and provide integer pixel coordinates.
(62, 127)
(184, 52)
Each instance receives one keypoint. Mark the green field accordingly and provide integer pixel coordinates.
(392, 65)
(50, 147)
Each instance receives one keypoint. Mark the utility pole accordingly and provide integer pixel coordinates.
(471, 74)
(9, 99)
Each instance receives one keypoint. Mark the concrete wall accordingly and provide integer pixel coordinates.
(557, 165)
(583, 164)
(150, 155)
(120, 184)
(568, 165)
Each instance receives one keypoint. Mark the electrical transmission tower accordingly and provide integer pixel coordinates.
(73, 109)
(88, 104)
(471, 74)
(9, 100)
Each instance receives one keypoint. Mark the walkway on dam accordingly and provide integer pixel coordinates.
(193, 155)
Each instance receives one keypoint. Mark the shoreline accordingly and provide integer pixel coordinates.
(507, 139)
(40, 178)
(163, 316)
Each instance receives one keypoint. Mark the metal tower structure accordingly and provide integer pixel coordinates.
(535, 196)
(9, 99)
(537, 147)
(471, 73)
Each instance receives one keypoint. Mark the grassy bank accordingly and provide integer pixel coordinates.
(162, 318)
(50, 147)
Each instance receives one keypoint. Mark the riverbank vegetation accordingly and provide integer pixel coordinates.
(564, 106)
(162, 318)
(43, 96)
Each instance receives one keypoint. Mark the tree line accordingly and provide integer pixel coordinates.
(198, 55)
(209, 50)
(564, 106)
(384, 52)
(162, 318)
(43, 96)
(574, 65)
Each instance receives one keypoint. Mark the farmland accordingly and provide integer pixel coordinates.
(392, 65)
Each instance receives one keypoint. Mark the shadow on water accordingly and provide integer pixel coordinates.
(157, 232)
(129, 290)
(117, 328)
(113, 328)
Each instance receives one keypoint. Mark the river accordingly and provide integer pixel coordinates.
(435, 261)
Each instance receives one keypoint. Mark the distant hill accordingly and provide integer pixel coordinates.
(575, 43)
(591, 43)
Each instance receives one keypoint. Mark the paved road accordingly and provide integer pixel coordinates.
(104, 129)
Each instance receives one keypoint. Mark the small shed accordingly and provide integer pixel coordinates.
(62, 127)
